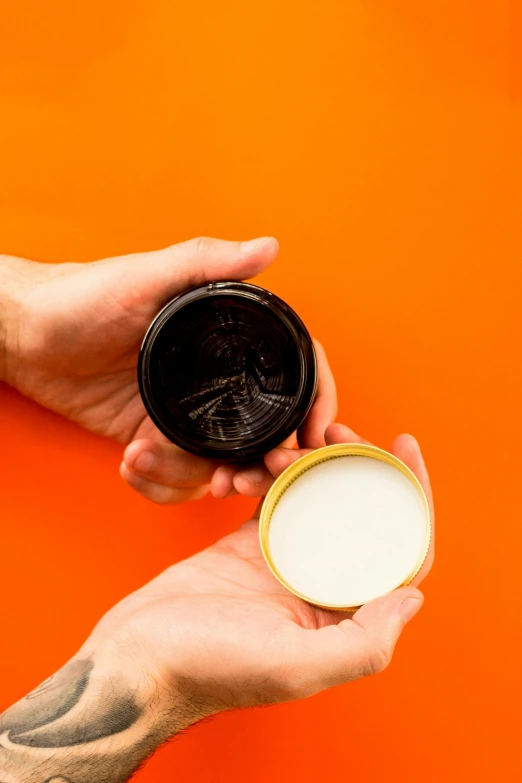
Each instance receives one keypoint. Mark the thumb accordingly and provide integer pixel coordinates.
(146, 281)
(356, 647)
(381, 622)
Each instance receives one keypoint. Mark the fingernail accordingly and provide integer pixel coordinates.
(252, 246)
(410, 607)
(145, 462)
(254, 475)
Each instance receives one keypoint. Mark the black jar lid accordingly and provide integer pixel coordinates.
(227, 371)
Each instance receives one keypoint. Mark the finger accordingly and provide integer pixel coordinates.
(222, 484)
(379, 624)
(340, 433)
(159, 493)
(281, 458)
(353, 648)
(147, 280)
(253, 482)
(165, 463)
(290, 442)
(278, 460)
(407, 449)
(256, 480)
(324, 408)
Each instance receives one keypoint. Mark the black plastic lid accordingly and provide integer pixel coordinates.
(227, 371)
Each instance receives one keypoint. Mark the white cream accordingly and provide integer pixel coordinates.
(348, 530)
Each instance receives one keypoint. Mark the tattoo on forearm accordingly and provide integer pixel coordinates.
(60, 732)
(52, 717)
(49, 702)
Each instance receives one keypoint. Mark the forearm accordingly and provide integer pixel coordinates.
(94, 721)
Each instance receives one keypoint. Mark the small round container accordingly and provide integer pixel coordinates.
(344, 525)
(227, 371)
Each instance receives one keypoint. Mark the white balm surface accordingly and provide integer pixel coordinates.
(348, 530)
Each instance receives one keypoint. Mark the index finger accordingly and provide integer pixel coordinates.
(324, 408)
(281, 458)
(407, 449)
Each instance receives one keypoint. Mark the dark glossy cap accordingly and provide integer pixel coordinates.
(227, 371)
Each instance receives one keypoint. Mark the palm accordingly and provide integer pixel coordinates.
(222, 611)
(224, 604)
(234, 569)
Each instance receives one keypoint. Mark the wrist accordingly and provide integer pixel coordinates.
(167, 696)
(16, 276)
(99, 717)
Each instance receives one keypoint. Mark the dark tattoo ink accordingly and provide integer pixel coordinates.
(94, 722)
(45, 737)
(52, 699)
(63, 711)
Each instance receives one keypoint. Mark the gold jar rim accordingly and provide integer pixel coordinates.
(301, 466)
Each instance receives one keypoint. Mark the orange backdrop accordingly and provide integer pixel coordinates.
(380, 141)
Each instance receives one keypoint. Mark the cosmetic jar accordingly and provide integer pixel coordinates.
(344, 525)
(227, 371)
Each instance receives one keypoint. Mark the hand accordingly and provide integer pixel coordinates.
(72, 337)
(221, 624)
(212, 633)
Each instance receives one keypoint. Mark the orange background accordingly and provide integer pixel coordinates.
(380, 142)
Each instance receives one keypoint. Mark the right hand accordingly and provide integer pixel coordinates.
(70, 337)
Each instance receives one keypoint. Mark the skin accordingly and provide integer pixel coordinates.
(70, 339)
(212, 633)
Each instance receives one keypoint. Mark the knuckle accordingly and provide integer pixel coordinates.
(278, 679)
(161, 501)
(161, 496)
(190, 249)
(378, 660)
(293, 682)
(174, 496)
(198, 493)
(201, 246)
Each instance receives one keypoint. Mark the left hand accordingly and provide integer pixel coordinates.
(222, 625)
(212, 633)
(72, 337)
